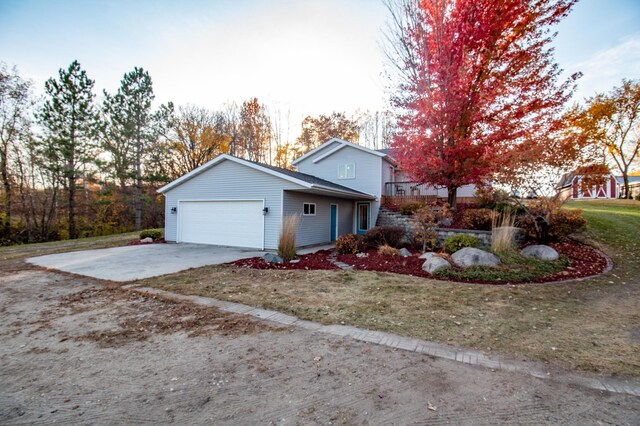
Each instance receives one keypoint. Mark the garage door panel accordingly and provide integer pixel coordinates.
(229, 223)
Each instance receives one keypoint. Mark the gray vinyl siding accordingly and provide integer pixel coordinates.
(368, 172)
(231, 181)
(317, 229)
(387, 175)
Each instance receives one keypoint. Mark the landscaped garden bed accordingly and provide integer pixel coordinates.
(576, 261)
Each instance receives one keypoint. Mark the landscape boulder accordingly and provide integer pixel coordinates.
(434, 264)
(470, 256)
(404, 252)
(146, 240)
(541, 252)
(427, 255)
(272, 258)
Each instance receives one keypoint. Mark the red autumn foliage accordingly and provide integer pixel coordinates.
(479, 92)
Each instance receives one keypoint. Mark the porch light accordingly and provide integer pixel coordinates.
(265, 210)
(174, 210)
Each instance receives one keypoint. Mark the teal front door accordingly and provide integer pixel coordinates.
(363, 217)
(334, 222)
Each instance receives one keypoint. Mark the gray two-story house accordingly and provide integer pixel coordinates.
(337, 189)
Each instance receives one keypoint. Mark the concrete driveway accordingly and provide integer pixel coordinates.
(143, 261)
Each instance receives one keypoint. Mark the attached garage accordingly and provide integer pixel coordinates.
(238, 203)
(235, 223)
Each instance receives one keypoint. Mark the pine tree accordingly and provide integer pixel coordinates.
(70, 120)
(129, 130)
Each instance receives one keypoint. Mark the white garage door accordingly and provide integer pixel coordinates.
(225, 223)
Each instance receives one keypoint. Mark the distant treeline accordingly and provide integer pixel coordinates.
(74, 166)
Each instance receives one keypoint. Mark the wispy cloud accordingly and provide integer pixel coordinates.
(606, 68)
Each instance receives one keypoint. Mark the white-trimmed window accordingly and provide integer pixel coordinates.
(308, 209)
(347, 171)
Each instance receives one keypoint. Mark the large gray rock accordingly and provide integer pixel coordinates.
(404, 252)
(272, 258)
(470, 256)
(541, 252)
(435, 264)
(146, 240)
(427, 255)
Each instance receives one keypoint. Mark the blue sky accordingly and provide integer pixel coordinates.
(309, 57)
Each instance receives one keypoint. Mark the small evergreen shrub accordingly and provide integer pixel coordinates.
(154, 234)
(387, 250)
(456, 242)
(349, 243)
(477, 219)
(408, 209)
(380, 235)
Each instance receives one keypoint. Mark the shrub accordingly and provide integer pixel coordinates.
(151, 233)
(489, 198)
(425, 240)
(287, 241)
(349, 243)
(561, 224)
(387, 250)
(427, 218)
(410, 208)
(564, 223)
(454, 243)
(477, 219)
(380, 235)
(638, 197)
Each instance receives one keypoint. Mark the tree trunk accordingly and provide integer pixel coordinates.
(627, 190)
(452, 197)
(137, 203)
(72, 207)
(7, 192)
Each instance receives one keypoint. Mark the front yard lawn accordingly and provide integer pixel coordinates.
(593, 325)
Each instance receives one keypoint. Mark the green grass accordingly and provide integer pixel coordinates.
(514, 269)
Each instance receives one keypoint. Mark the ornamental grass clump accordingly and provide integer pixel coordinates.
(287, 241)
(387, 250)
(503, 232)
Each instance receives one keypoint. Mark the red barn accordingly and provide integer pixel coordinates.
(572, 186)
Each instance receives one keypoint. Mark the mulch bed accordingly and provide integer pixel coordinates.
(584, 261)
(317, 260)
(138, 243)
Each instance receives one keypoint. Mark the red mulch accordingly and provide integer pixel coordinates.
(138, 243)
(317, 260)
(584, 261)
(377, 262)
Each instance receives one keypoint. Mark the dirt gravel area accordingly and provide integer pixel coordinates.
(79, 351)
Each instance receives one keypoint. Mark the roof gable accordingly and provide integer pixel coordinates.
(302, 179)
(322, 151)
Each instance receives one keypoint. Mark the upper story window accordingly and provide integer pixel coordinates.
(308, 209)
(347, 171)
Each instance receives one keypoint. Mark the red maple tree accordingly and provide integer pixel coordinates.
(479, 93)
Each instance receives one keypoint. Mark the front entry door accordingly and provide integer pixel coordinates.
(363, 217)
(334, 222)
